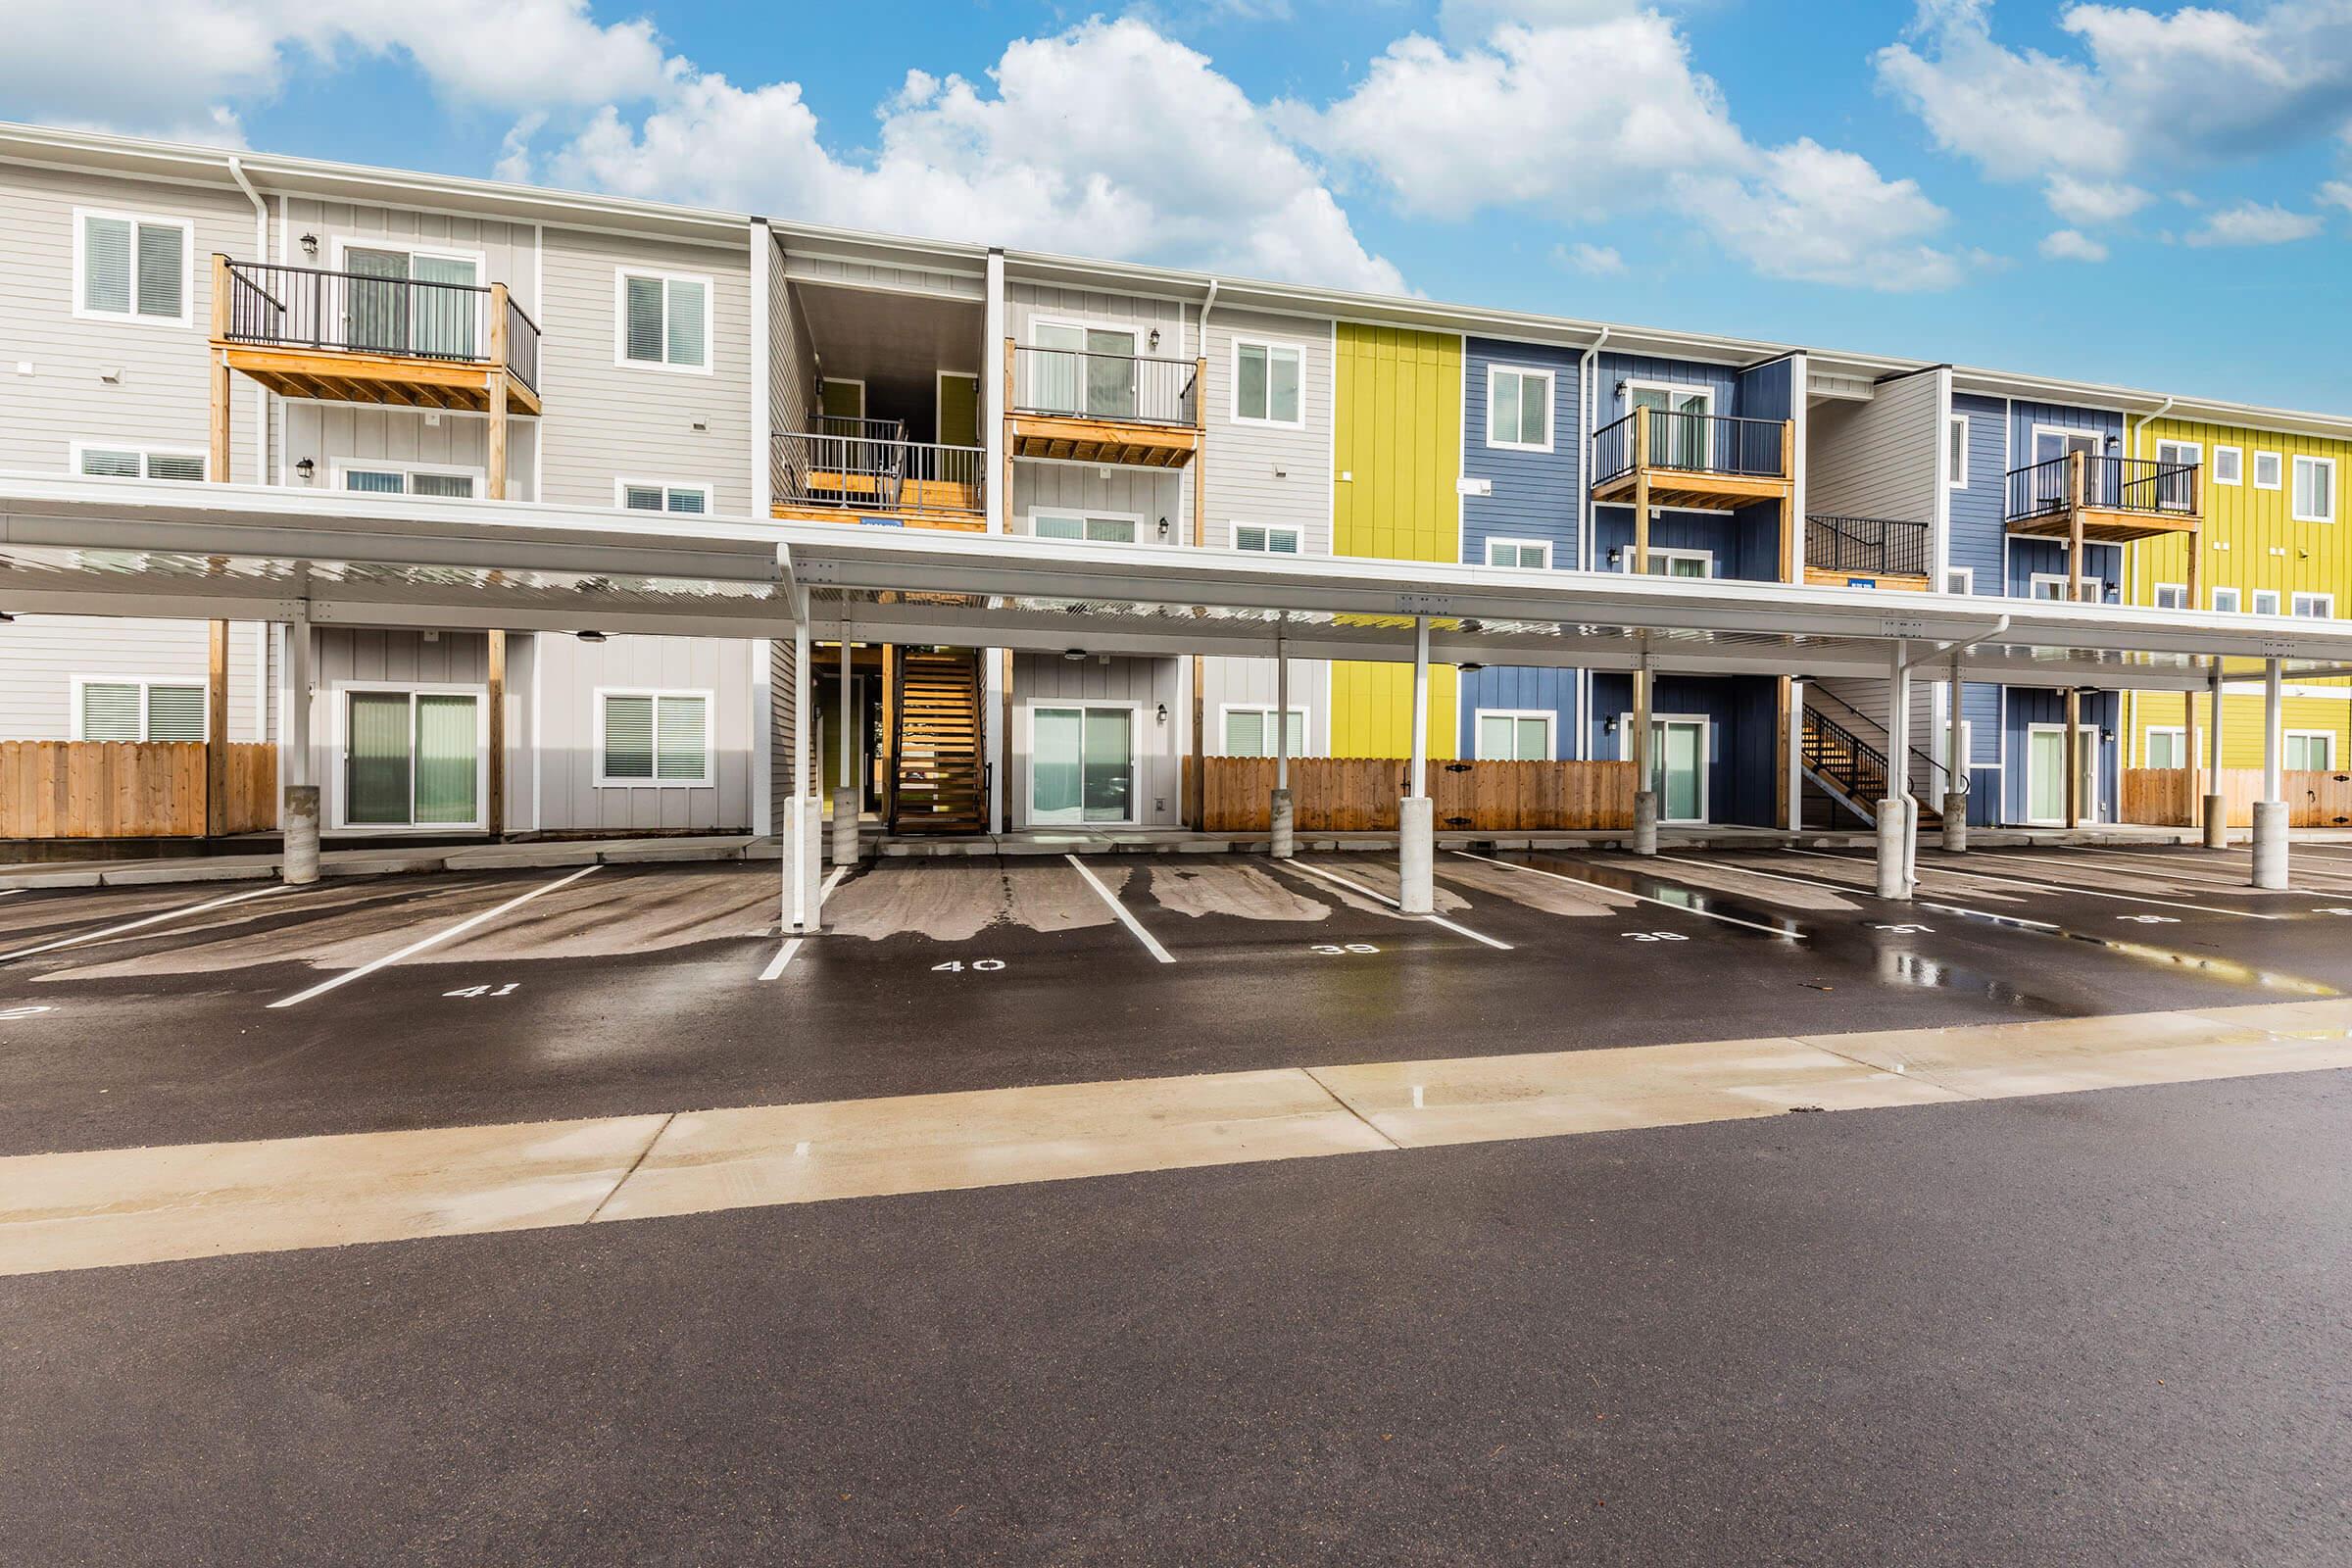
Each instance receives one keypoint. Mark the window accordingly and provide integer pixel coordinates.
(2315, 490)
(1519, 409)
(638, 496)
(386, 480)
(1666, 562)
(2316, 607)
(1266, 538)
(2165, 748)
(2050, 585)
(2266, 470)
(1513, 737)
(2266, 600)
(1094, 530)
(131, 267)
(1960, 581)
(2229, 465)
(112, 710)
(1533, 555)
(2227, 600)
(128, 462)
(1266, 382)
(1249, 732)
(2172, 596)
(1956, 457)
(2173, 454)
(395, 307)
(1679, 433)
(664, 320)
(2310, 751)
(653, 738)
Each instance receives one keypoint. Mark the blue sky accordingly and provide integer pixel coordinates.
(2155, 195)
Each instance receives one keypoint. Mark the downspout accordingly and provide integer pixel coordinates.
(261, 393)
(1584, 528)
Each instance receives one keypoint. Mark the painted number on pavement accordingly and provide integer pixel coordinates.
(1654, 936)
(29, 1010)
(506, 990)
(958, 966)
(2149, 919)
(1900, 930)
(1332, 950)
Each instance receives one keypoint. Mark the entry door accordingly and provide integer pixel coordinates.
(1081, 764)
(391, 317)
(411, 760)
(379, 312)
(2045, 775)
(1093, 374)
(1678, 768)
(1678, 439)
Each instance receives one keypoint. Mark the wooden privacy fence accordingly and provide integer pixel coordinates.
(130, 789)
(2165, 796)
(1359, 794)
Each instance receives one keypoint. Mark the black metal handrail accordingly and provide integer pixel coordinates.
(1084, 384)
(1836, 753)
(1883, 546)
(2110, 482)
(1816, 693)
(856, 473)
(404, 318)
(1693, 443)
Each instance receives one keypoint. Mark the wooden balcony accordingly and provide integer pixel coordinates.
(865, 471)
(1867, 553)
(1082, 406)
(2095, 498)
(1707, 461)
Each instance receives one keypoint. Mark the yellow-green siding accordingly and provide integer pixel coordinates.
(2241, 738)
(1396, 458)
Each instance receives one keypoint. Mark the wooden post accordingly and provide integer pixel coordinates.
(1641, 497)
(2073, 548)
(1780, 772)
(2074, 757)
(2196, 536)
(1790, 570)
(499, 348)
(886, 787)
(216, 731)
(1004, 509)
(495, 817)
(2188, 750)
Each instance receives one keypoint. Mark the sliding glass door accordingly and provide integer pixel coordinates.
(1081, 764)
(411, 758)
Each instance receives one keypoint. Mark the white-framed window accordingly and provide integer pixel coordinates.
(2172, 596)
(654, 495)
(2310, 751)
(1268, 538)
(1514, 735)
(2051, 586)
(2171, 453)
(2228, 601)
(109, 462)
(2315, 606)
(2167, 746)
(1102, 528)
(383, 478)
(1960, 581)
(1518, 409)
(2266, 600)
(2269, 468)
(1526, 555)
(404, 313)
(1269, 383)
(661, 319)
(2315, 489)
(2229, 465)
(1673, 562)
(133, 266)
(1956, 444)
(660, 738)
(126, 708)
(1249, 731)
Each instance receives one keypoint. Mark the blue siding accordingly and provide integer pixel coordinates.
(1976, 522)
(2047, 557)
(1768, 391)
(2024, 416)
(1536, 493)
(1527, 689)
(2029, 706)
(1743, 737)
(1611, 369)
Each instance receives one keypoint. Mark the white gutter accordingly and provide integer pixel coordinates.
(260, 253)
(1584, 476)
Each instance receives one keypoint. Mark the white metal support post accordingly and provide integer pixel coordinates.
(1895, 817)
(1416, 837)
(1645, 794)
(1955, 769)
(301, 809)
(803, 826)
(1280, 820)
(994, 398)
(2269, 812)
(845, 792)
(2217, 805)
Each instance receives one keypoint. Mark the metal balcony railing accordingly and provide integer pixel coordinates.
(1084, 385)
(864, 471)
(1870, 546)
(1693, 443)
(2109, 483)
(302, 307)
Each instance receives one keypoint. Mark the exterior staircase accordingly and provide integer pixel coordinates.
(1851, 771)
(940, 782)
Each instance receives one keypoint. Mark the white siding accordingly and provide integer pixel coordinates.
(852, 273)
(1025, 302)
(1875, 458)
(509, 251)
(569, 797)
(40, 655)
(1149, 494)
(1250, 683)
(336, 434)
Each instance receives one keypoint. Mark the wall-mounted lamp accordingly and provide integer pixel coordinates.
(1164, 530)
(310, 244)
(1608, 725)
(307, 468)
(1621, 389)
(1471, 668)
(1075, 655)
(1616, 557)
(5, 618)
(590, 636)
(1153, 340)
(1163, 713)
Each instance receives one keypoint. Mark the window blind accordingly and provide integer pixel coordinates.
(459, 485)
(685, 321)
(106, 265)
(1246, 733)
(628, 737)
(110, 711)
(641, 497)
(642, 324)
(110, 463)
(176, 712)
(160, 269)
(682, 740)
(175, 465)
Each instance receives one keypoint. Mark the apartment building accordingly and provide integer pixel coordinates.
(188, 315)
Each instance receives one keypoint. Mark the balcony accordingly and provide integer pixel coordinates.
(2105, 500)
(1102, 408)
(866, 470)
(1867, 553)
(1711, 462)
(345, 337)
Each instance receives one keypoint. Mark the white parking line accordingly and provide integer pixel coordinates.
(5, 892)
(784, 956)
(1150, 942)
(1663, 904)
(1369, 893)
(434, 941)
(133, 925)
(2218, 872)
(1872, 893)
(2056, 863)
(1939, 868)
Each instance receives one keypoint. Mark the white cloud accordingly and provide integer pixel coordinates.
(1107, 140)
(2337, 193)
(2254, 223)
(2090, 201)
(2072, 245)
(1594, 260)
(1475, 20)
(1588, 121)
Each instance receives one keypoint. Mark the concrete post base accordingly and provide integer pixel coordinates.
(301, 813)
(845, 826)
(1895, 881)
(1416, 855)
(804, 847)
(1645, 822)
(1282, 823)
(1955, 822)
(2270, 844)
(2216, 823)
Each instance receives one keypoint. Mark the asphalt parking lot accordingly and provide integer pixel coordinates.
(176, 1016)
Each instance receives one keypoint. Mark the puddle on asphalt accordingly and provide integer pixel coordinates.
(2229, 970)
(1675, 896)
